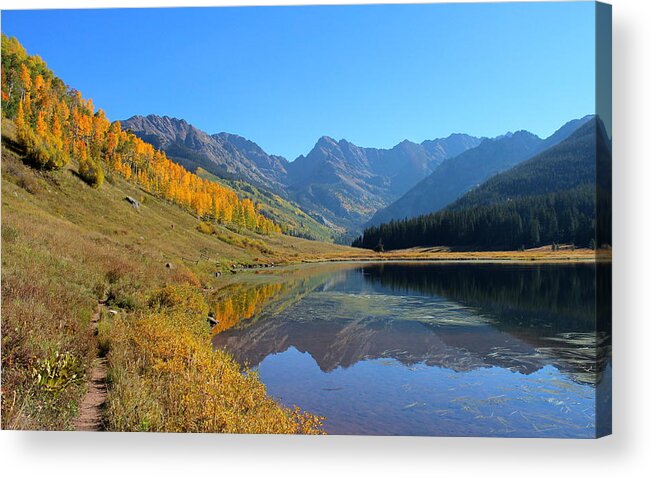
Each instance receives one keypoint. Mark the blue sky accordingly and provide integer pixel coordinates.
(284, 76)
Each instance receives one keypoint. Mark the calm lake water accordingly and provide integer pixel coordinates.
(427, 348)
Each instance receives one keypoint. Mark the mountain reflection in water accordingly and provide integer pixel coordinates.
(523, 319)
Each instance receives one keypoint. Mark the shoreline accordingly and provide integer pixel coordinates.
(282, 267)
(476, 260)
(520, 257)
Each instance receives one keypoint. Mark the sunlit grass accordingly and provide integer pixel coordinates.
(165, 376)
(65, 247)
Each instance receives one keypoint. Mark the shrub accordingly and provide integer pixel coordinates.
(180, 297)
(28, 183)
(41, 154)
(121, 295)
(9, 234)
(103, 336)
(58, 158)
(165, 376)
(183, 275)
(117, 271)
(26, 138)
(205, 228)
(91, 172)
(55, 373)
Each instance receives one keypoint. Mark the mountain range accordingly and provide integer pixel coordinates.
(338, 183)
(347, 183)
(225, 155)
(344, 186)
(554, 197)
(465, 171)
(567, 165)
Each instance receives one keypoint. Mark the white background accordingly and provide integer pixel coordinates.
(625, 454)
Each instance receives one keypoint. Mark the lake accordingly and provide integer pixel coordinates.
(442, 349)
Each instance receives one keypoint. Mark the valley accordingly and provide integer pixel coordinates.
(160, 227)
(338, 184)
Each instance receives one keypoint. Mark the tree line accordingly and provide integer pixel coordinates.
(524, 222)
(562, 195)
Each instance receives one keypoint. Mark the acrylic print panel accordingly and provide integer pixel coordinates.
(368, 220)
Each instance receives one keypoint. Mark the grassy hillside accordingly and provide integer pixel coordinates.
(65, 247)
(56, 125)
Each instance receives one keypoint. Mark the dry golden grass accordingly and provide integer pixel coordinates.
(542, 254)
(165, 376)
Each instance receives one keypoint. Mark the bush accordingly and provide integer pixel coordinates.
(103, 336)
(26, 138)
(183, 275)
(28, 182)
(180, 297)
(165, 377)
(120, 295)
(117, 271)
(9, 234)
(58, 371)
(40, 153)
(205, 228)
(91, 172)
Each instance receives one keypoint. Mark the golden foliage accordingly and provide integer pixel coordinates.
(166, 377)
(55, 123)
(91, 172)
(205, 228)
(242, 302)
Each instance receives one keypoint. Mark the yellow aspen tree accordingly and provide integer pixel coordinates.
(25, 80)
(38, 83)
(41, 125)
(27, 107)
(21, 124)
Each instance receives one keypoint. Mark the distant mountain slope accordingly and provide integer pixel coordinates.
(451, 146)
(271, 167)
(223, 154)
(292, 219)
(549, 198)
(569, 164)
(235, 162)
(461, 173)
(338, 183)
(346, 184)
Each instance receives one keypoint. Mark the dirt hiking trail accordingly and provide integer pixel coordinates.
(90, 414)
